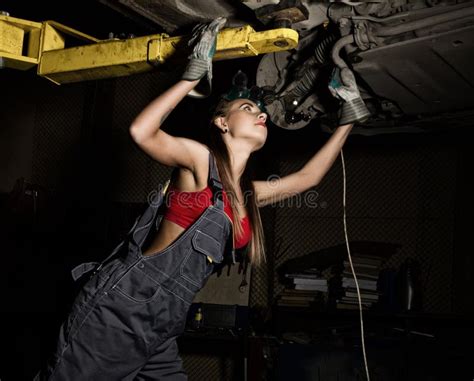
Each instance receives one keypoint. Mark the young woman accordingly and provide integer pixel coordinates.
(125, 321)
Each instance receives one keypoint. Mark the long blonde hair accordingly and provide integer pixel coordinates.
(221, 153)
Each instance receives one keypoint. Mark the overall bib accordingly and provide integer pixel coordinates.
(124, 322)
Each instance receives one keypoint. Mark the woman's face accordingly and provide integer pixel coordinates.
(245, 120)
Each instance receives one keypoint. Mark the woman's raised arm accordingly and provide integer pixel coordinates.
(145, 129)
(161, 146)
(310, 175)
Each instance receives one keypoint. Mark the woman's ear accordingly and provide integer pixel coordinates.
(221, 123)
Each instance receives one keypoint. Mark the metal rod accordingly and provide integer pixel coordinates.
(386, 31)
(346, 40)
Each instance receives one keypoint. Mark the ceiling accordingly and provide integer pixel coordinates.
(138, 17)
(87, 16)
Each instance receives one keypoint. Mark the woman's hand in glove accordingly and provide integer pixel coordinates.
(203, 39)
(343, 86)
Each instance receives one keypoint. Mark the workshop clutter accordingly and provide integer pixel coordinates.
(367, 269)
(304, 288)
(323, 279)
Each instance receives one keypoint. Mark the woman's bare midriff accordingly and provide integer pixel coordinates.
(165, 236)
(186, 181)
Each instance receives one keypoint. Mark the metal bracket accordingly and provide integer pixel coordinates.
(154, 54)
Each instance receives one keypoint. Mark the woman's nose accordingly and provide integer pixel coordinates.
(263, 116)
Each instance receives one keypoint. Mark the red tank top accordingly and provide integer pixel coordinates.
(185, 207)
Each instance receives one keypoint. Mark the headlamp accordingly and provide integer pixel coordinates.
(239, 90)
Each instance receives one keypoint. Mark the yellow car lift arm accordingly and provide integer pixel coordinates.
(25, 44)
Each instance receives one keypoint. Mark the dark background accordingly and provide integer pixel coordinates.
(70, 144)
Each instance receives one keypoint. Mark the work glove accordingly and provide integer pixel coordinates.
(343, 86)
(203, 40)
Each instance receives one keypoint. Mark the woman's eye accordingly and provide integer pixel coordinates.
(248, 108)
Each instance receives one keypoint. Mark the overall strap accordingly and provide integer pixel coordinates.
(215, 182)
(146, 220)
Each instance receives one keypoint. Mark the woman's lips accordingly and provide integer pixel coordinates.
(261, 124)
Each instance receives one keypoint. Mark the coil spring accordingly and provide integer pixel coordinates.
(321, 53)
(309, 77)
(306, 83)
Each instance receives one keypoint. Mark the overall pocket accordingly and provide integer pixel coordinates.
(197, 265)
(136, 285)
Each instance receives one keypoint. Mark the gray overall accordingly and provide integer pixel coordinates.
(125, 320)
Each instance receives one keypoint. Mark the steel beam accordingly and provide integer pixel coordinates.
(65, 55)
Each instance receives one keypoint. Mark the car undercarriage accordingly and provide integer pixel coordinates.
(412, 58)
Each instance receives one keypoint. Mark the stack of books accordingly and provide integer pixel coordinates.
(303, 290)
(367, 269)
(297, 298)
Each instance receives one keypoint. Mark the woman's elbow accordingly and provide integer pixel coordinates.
(136, 133)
